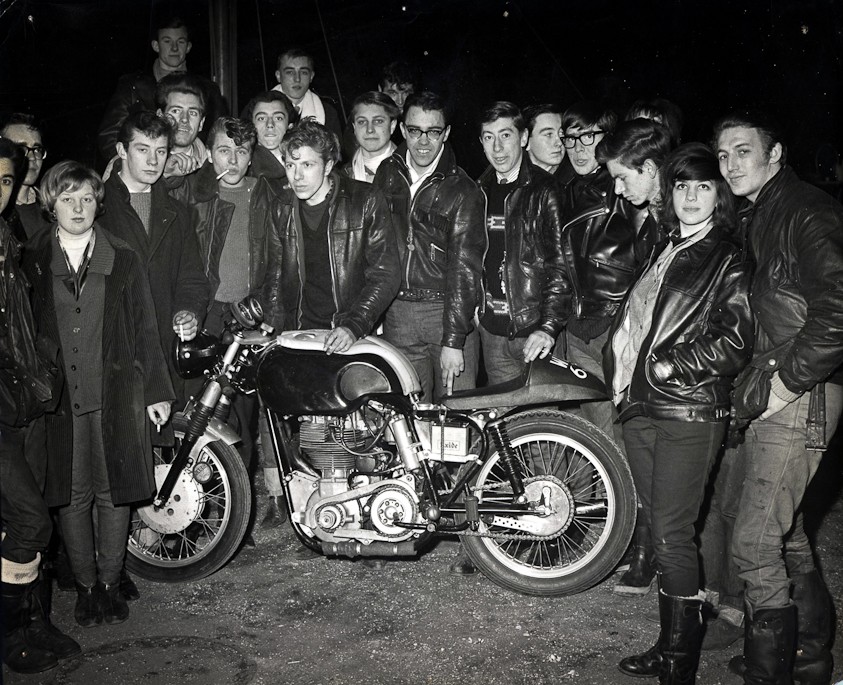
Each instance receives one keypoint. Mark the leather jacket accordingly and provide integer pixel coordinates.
(537, 290)
(210, 217)
(362, 250)
(701, 335)
(441, 238)
(603, 250)
(796, 236)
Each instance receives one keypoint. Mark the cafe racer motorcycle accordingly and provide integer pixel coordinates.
(542, 500)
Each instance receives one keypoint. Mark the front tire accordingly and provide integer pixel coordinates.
(204, 522)
(590, 484)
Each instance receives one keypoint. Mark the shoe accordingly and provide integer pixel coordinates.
(62, 571)
(462, 565)
(276, 512)
(115, 609)
(675, 656)
(813, 662)
(87, 611)
(41, 632)
(127, 586)
(638, 578)
(720, 634)
(19, 653)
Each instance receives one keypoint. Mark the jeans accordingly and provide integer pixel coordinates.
(670, 463)
(503, 358)
(23, 470)
(779, 468)
(415, 328)
(589, 356)
(721, 574)
(93, 553)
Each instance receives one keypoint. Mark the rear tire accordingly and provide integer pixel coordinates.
(590, 480)
(203, 523)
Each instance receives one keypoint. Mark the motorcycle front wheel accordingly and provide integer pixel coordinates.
(203, 523)
(572, 465)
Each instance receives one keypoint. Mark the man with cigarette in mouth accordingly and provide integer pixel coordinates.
(232, 215)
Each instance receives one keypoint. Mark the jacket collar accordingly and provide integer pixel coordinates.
(447, 163)
(774, 188)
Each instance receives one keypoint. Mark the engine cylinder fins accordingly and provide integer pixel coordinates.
(326, 444)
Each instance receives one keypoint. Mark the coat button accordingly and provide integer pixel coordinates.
(76, 349)
(771, 362)
(78, 310)
(76, 405)
(73, 367)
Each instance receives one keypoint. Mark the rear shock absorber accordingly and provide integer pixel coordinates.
(500, 436)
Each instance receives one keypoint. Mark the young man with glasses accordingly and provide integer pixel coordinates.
(25, 217)
(439, 220)
(599, 240)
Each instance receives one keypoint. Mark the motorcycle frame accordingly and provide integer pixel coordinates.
(288, 459)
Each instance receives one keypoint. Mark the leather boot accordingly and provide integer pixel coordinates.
(638, 578)
(41, 632)
(19, 654)
(769, 646)
(115, 609)
(681, 651)
(276, 512)
(813, 662)
(87, 611)
(675, 655)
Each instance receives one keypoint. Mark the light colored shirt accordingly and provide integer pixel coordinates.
(416, 178)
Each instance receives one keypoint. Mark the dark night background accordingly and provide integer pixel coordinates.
(61, 60)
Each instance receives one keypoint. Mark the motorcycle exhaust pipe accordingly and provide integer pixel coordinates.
(352, 549)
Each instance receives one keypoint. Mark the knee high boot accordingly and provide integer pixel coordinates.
(41, 632)
(19, 654)
(681, 620)
(675, 655)
(769, 646)
(813, 662)
(642, 569)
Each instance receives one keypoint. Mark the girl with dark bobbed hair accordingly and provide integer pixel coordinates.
(683, 333)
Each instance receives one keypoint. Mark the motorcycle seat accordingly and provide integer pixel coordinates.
(543, 381)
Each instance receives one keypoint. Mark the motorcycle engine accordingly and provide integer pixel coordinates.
(357, 496)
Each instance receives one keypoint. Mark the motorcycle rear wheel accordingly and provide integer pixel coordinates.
(204, 521)
(584, 468)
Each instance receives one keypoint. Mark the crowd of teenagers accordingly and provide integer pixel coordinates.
(702, 281)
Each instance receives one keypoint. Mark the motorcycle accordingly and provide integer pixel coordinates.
(542, 500)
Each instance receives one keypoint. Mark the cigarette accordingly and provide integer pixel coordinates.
(181, 332)
(219, 176)
(158, 427)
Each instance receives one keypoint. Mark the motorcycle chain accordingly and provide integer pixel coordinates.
(506, 536)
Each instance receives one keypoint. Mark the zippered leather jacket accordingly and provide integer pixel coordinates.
(537, 290)
(441, 238)
(211, 217)
(700, 338)
(796, 236)
(603, 250)
(362, 251)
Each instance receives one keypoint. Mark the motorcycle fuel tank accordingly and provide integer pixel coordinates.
(296, 377)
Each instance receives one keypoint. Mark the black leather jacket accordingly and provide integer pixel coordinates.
(441, 238)
(211, 217)
(700, 338)
(362, 250)
(796, 234)
(603, 250)
(537, 289)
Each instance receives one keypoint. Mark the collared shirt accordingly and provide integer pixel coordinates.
(511, 177)
(365, 169)
(416, 178)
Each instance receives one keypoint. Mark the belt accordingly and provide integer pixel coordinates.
(420, 294)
